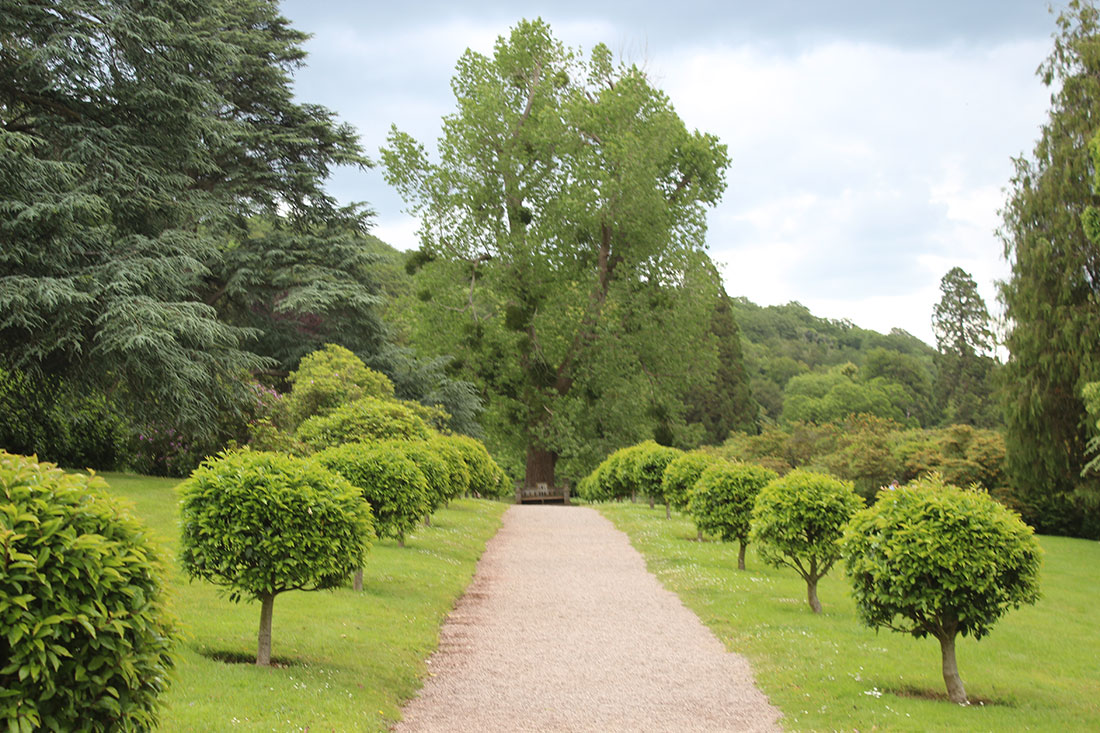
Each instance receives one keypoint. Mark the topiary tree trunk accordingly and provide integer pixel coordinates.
(357, 584)
(811, 593)
(741, 554)
(263, 649)
(955, 690)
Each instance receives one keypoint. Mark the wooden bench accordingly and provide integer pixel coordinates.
(541, 493)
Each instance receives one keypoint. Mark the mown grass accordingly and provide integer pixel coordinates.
(343, 660)
(1038, 670)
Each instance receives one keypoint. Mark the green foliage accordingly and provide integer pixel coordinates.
(964, 337)
(963, 455)
(562, 254)
(680, 476)
(458, 475)
(1051, 298)
(264, 523)
(642, 467)
(1091, 395)
(486, 477)
(834, 395)
(435, 468)
(798, 520)
(722, 500)
(611, 479)
(47, 417)
(930, 559)
(366, 419)
(864, 452)
(426, 381)
(328, 378)
(86, 642)
(392, 485)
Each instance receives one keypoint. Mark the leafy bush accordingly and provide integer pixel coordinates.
(798, 520)
(264, 523)
(486, 477)
(392, 484)
(931, 559)
(722, 500)
(452, 456)
(86, 639)
(328, 378)
(366, 419)
(643, 468)
(436, 471)
(680, 476)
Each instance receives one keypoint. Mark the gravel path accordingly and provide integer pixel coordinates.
(563, 629)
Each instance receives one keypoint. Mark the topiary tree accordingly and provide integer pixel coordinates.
(457, 473)
(262, 523)
(798, 520)
(391, 483)
(722, 500)
(680, 475)
(645, 469)
(436, 471)
(486, 477)
(85, 641)
(931, 559)
(328, 378)
(366, 419)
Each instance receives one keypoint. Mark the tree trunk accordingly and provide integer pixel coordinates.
(651, 502)
(357, 584)
(540, 466)
(741, 555)
(698, 535)
(401, 541)
(811, 594)
(955, 690)
(263, 652)
(668, 511)
(427, 520)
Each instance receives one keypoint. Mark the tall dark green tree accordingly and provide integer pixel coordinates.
(565, 222)
(725, 403)
(1052, 298)
(964, 339)
(138, 143)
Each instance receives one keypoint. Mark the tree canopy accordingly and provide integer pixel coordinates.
(163, 219)
(561, 246)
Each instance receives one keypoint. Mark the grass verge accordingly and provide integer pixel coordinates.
(1037, 670)
(342, 660)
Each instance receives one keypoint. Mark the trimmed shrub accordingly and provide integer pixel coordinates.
(680, 476)
(452, 456)
(931, 559)
(797, 522)
(328, 378)
(365, 420)
(722, 500)
(264, 523)
(437, 474)
(486, 477)
(644, 468)
(392, 484)
(86, 640)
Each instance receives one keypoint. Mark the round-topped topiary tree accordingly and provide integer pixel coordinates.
(722, 500)
(261, 524)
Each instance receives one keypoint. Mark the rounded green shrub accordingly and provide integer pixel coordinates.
(680, 475)
(328, 378)
(486, 477)
(722, 500)
(797, 522)
(645, 466)
(261, 524)
(391, 483)
(436, 471)
(364, 420)
(452, 456)
(85, 641)
(931, 559)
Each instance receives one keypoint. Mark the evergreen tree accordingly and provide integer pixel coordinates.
(138, 143)
(1051, 298)
(964, 338)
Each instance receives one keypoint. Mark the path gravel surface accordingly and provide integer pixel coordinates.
(564, 629)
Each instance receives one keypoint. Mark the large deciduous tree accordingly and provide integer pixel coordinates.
(562, 235)
(140, 144)
(1052, 299)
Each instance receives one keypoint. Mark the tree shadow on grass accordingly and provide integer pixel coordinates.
(226, 656)
(923, 693)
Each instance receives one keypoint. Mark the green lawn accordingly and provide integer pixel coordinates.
(1039, 669)
(343, 660)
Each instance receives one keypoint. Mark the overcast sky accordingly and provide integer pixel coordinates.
(871, 141)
